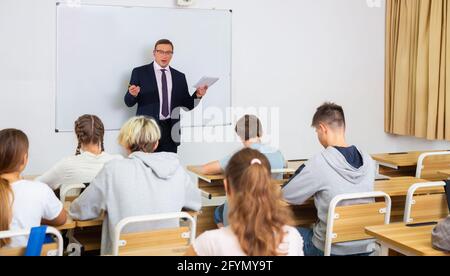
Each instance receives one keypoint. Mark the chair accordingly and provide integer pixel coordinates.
(163, 242)
(427, 205)
(52, 249)
(347, 223)
(435, 161)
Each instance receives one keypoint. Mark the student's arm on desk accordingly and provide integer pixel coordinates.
(301, 187)
(211, 168)
(91, 203)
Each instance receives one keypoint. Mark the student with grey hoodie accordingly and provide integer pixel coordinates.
(145, 183)
(339, 169)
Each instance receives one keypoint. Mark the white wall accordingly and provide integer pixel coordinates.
(291, 54)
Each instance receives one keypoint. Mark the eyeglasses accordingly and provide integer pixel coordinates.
(161, 52)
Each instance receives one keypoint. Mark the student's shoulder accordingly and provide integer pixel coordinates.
(109, 157)
(33, 186)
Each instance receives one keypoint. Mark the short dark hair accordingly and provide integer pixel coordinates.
(165, 42)
(248, 127)
(330, 114)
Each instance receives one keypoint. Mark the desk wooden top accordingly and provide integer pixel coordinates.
(219, 177)
(295, 164)
(399, 186)
(400, 159)
(208, 178)
(415, 240)
(79, 223)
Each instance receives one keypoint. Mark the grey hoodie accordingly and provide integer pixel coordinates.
(441, 235)
(142, 184)
(323, 177)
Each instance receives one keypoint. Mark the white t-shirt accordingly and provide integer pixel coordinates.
(77, 169)
(33, 201)
(223, 242)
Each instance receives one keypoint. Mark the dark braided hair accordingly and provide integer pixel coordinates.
(89, 130)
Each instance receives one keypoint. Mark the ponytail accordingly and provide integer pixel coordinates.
(6, 198)
(256, 214)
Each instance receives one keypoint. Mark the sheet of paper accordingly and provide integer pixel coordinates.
(209, 81)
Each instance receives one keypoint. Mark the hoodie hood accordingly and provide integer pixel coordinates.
(339, 163)
(163, 164)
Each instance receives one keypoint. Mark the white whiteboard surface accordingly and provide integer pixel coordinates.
(98, 46)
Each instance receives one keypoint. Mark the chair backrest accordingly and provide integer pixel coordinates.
(163, 242)
(430, 163)
(67, 188)
(51, 249)
(347, 223)
(423, 206)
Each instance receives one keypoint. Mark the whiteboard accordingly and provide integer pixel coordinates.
(98, 46)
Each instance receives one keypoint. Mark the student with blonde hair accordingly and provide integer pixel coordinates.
(258, 220)
(145, 183)
(89, 158)
(23, 204)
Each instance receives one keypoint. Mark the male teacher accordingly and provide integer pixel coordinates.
(159, 90)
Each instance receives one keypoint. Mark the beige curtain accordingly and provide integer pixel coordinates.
(417, 93)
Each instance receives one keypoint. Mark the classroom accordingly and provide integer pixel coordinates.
(224, 128)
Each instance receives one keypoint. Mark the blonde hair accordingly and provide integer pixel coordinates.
(140, 134)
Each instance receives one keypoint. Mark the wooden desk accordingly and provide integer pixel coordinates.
(70, 224)
(400, 159)
(295, 164)
(212, 185)
(410, 241)
(399, 186)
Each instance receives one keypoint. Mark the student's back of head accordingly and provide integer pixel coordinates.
(89, 130)
(249, 127)
(13, 155)
(255, 211)
(329, 122)
(140, 134)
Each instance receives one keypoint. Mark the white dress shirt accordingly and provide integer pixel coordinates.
(158, 74)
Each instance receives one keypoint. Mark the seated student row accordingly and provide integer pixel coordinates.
(318, 177)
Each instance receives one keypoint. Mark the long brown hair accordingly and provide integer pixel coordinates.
(89, 130)
(256, 215)
(13, 148)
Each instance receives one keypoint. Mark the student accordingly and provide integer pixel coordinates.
(89, 158)
(249, 129)
(145, 183)
(441, 235)
(339, 169)
(23, 204)
(258, 220)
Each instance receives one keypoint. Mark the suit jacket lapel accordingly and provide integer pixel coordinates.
(152, 73)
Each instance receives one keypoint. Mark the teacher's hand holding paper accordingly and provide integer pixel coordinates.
(201, 91)
(203, 84)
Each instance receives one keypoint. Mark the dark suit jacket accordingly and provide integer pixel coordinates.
(148, 99)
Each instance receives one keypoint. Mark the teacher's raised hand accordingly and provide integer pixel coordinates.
(134, 90)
